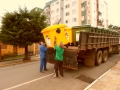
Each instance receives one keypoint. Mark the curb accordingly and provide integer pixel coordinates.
(96, 80)
(100, 77)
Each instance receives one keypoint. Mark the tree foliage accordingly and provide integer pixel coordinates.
(114, 27)
(22, 27)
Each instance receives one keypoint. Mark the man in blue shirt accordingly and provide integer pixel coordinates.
(43, 62)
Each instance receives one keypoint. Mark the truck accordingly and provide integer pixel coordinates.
(85, 43)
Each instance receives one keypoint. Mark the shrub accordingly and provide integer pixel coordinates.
(9, 55)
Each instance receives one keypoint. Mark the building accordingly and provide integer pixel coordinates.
(77, 12)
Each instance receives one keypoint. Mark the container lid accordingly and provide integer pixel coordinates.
(52, 27)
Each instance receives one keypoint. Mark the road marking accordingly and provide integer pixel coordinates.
(28, 82)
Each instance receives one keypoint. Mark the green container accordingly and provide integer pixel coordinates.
(84, 28)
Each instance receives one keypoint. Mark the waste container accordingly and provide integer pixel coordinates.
(57, 30)
(68, 34)
(84, 28)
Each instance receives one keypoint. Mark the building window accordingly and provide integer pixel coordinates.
(74, 19)
(67, 13)
(74, 3)
(67, 6)
(74, 11)
(67, 21)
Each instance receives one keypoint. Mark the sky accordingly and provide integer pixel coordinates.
(12, 5)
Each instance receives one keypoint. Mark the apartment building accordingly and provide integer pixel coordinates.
(77, 12)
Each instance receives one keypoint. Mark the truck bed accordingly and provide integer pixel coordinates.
(90, 40)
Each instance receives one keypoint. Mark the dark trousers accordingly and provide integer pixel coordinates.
(58, 66)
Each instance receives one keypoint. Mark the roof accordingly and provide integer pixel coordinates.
(48, 3)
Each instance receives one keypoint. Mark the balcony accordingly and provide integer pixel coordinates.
(100, 22)
(84, 4)
(84, 22)
(84, 13)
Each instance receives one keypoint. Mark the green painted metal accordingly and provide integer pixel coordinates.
(88, 28)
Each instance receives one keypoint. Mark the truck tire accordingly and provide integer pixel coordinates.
(104, 56)
(98, 57)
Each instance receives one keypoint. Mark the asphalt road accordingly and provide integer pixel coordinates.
(28, 77)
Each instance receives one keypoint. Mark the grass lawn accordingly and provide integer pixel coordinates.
(13, 58)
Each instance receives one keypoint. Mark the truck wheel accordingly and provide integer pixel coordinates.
(104, 56)
(98, 57)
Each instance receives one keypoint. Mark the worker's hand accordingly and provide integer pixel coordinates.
(55, 38)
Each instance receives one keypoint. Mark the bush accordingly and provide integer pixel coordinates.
(9, 55)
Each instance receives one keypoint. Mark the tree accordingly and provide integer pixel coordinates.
(23, 27)
(110, 26)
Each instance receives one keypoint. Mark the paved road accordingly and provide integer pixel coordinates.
(27, 76)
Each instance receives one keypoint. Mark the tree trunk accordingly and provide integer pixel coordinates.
(26, 58)
(0, 53)
(15, 49)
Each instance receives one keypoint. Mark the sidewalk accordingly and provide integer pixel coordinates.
(19, 61)
(108, 81)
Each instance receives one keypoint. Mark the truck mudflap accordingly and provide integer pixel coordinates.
(70, 58)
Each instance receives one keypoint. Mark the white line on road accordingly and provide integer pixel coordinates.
(28, 82)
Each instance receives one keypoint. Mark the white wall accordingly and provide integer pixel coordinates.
(93, 13)
(55, 11)
(73, 12)
(105, 14)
